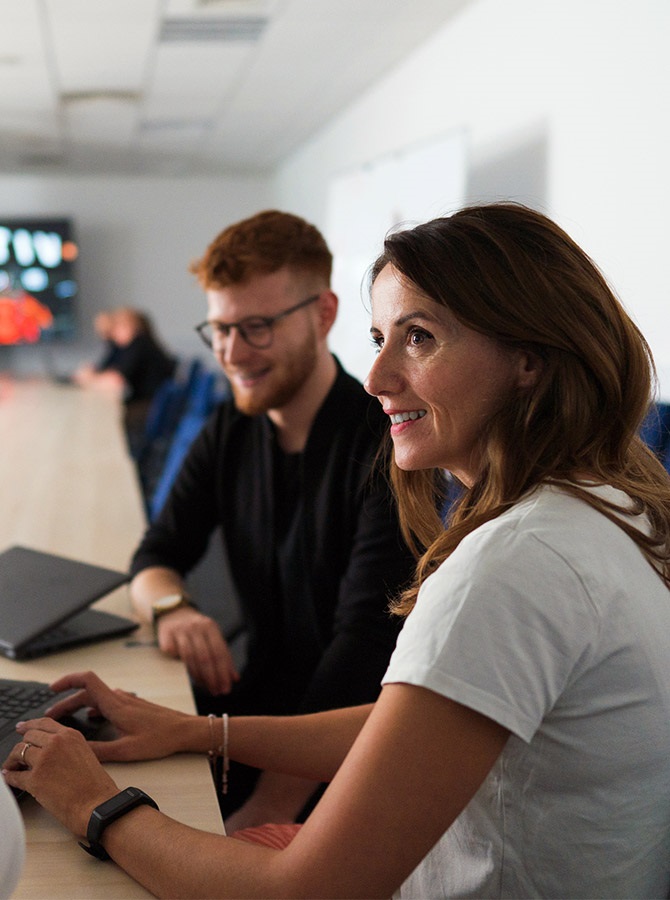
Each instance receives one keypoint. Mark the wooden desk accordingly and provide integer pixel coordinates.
(68, 486)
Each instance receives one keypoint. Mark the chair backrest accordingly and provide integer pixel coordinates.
(193, 398)
(170, 400)
(655, 428)
(165, 412)
(186, 432)
(655, 431)
(201, 394)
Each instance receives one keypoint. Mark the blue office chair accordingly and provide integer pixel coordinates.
(206, 391)
(166, 410)
(187, 431)
(170, 401)
(655, 431)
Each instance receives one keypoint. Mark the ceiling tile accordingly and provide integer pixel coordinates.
(92, 81)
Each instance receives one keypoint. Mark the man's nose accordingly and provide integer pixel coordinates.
(234, 348)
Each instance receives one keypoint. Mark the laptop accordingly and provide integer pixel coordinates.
(44, 600)
(24, 700)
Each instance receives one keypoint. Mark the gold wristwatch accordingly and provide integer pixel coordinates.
(169, 603)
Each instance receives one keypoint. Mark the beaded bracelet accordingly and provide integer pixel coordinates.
(218, 755)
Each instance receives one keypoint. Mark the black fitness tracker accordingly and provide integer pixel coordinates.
(109, 812)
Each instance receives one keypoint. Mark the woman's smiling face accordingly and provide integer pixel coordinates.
(438, 380)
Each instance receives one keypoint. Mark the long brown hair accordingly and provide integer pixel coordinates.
(513, 275)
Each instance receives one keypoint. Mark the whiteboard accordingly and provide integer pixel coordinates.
(363, 205)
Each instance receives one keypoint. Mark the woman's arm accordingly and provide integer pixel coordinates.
(110, 379)
(310, 746)
(416, 763)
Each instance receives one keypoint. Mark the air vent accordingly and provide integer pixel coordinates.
(239, 28)
(40, 160)
(156, 126)
(93, 96)
(246, 6)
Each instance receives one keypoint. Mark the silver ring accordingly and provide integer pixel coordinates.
(24, 751)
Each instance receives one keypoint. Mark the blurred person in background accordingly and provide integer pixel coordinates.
(134, 365)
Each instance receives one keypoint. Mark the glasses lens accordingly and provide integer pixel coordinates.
(206, 332)
(256, 332)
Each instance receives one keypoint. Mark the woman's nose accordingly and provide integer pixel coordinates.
(380, 378)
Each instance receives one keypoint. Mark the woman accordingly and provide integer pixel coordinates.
(12, 846)
(135, 366)
(519, 745)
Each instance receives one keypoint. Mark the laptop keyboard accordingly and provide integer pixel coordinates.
(23, 700)
(20, 700)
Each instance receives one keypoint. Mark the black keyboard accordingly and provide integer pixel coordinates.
(21, 700)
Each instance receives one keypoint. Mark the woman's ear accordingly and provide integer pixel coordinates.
(530, 368)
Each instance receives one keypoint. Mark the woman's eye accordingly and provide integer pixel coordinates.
(418, 336)
(377, 341)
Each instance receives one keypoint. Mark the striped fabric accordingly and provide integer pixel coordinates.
(270, 835)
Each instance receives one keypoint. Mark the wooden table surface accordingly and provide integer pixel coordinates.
(68, 486)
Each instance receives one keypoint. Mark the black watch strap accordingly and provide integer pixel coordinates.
(109, 812)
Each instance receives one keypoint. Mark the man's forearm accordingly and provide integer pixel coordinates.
(150, 585)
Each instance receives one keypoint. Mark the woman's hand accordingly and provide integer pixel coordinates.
(145, 730)
(59, 769)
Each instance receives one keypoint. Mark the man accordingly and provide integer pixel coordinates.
(286, 470)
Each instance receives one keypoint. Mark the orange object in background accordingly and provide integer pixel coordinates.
(22, 318)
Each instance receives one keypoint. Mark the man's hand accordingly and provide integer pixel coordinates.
(196, 639)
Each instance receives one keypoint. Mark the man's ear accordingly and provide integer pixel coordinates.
(327, 307)
(530, 368)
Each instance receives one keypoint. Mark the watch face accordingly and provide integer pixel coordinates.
(119, 802)
(167, 603)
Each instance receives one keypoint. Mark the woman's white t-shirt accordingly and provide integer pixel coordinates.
(550, 621)
(12, 841)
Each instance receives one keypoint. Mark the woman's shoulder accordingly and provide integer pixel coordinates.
(552, 541)
(554, 510)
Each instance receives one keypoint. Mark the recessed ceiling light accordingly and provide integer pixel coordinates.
(236, 28)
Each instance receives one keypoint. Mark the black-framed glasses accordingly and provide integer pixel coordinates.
(255, 330)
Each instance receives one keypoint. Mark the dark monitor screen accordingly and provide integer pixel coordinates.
(38, 280)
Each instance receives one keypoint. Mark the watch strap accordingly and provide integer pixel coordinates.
(182, 601)
(108, 812)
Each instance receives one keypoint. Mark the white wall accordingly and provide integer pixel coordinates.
(137, 237)
(565, 103)
(404, 188)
